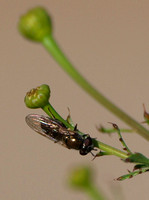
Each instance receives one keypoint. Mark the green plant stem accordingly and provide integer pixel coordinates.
(104, 147)
(53, 114)
(122, 141)
(132, 174)
(110, 150)
(92, 192)
(112, 130)
(52, 47)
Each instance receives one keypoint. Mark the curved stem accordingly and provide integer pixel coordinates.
(53, 114)
(52, 47)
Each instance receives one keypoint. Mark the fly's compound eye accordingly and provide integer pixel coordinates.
(87, 146)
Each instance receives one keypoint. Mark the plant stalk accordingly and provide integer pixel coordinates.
(52, 47)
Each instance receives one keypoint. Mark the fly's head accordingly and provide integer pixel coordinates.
(87, 145)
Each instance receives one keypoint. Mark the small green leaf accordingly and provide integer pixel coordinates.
(139, 166)
(132, 174)
(69, 119)
(138, 158)
(146, 115)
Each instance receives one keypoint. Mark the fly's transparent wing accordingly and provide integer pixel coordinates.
(38, 122)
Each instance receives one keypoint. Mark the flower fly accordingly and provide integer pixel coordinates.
(57, 132)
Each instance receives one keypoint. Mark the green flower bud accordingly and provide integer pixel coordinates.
(37, 97)
(80, 177)
(36, 24)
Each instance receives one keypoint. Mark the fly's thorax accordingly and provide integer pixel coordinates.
(73, 141)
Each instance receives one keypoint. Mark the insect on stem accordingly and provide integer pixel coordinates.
(57, 132)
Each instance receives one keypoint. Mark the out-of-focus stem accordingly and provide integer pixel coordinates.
(92, 192)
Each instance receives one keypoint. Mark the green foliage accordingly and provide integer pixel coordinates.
(138, 158)
(36, 25)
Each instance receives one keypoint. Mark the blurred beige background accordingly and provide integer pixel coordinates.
(108, 42)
